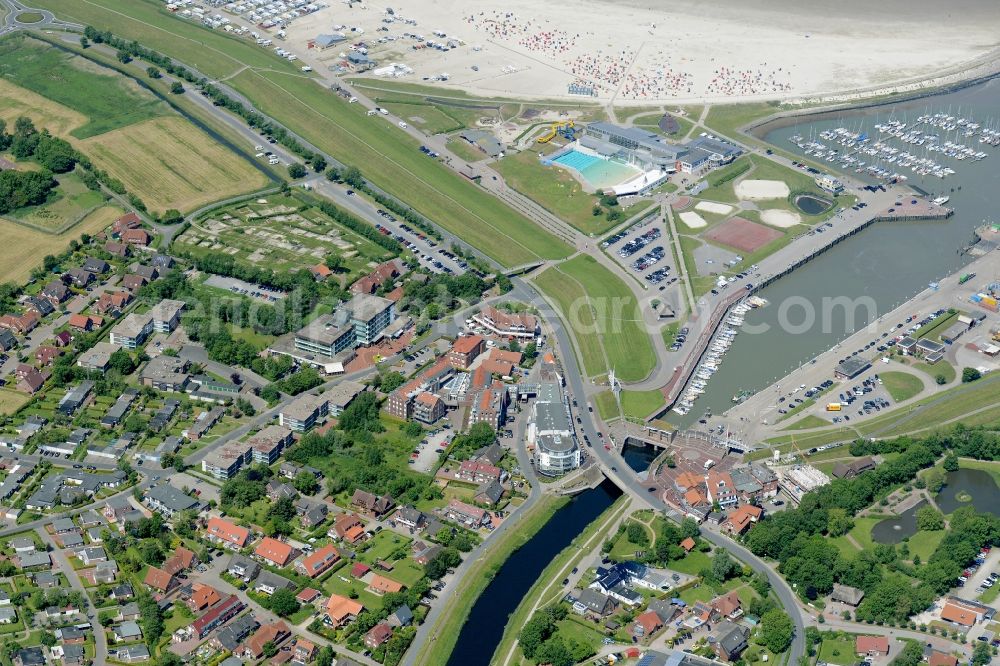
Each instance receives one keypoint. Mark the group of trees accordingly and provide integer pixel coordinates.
(441, 293)
(476, 437)
(796, 538)
(298, 382)
(540, 641)
(360, 227)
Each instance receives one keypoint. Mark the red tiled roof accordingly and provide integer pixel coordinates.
(868, 644)
(274, 551)
(228, 532)
(158, 579)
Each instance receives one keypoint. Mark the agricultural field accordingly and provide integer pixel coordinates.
(604, 316)
(273, 233)
(170, 163)
(25, 247)
(107, 101)
(46, 114)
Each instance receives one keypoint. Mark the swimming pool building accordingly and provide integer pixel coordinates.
(649, 151)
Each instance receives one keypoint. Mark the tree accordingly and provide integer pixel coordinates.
(838, 522)
(296, 171)
(970, 375)
(724, 566)
(981, 654)
(929, 519)
(55, 154)
(124, 57)
(283, 602)
(48, 639)
(270, 649)
(84, 43)
(305, 482)
(325, 656)
(637, 534)
(912, 654)
(318, 163)
(172, 216)
(177, 88)
(391, 381)
(776, 631)
(951, 462)
(940, 379)
(352, 176)
(153, 73)
(362, 415)
(935, 479)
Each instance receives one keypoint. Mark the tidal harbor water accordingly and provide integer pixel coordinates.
(484, 628)
(888, 263)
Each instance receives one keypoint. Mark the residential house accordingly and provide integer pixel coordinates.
(78, 277)
(378, 635)
(202, 597)
(95, 265)
(136, 237)
(268, 583)
(30, 656)
(849, 470)
(729, 640)
(243, 568)
(466, 514)
(119, 250)
(594, 603)
(42, 306)
(274, 633)
(489, 493)
(133, 282)
(371, 505)
(380, 585)
(230, 636)
(871, 646)
(217, 616)
(410, 516)
(401, 617)
(341, 610)
(159, 580)
(226, 533)
(112, 303)
(383, 273)
(275, 552)
(56, 292)
(347, 527)
(127, 631)
(647, 624)
(743, 518)
(845, 594)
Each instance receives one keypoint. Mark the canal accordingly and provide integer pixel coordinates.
(484, 628)
(886, 265)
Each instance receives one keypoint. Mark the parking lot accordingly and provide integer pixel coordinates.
(263, 294)
(429, 450)
(641, 249)
(428, 251)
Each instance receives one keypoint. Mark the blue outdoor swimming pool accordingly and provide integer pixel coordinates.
(597, 171)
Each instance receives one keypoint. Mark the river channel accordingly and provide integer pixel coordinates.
(484, 628)
(888, 263)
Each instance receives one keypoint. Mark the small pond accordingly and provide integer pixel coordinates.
(962, 487)
(894, 530)
(812, 205)
(969, 486)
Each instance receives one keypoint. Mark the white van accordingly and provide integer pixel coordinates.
(383, 111)
(402, 124)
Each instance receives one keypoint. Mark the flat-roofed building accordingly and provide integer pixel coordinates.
(132, 331)
(303, 413)
(509, 325)
(370, 316)
(97, 357)
(328, 335)
(551, 433)
(166, 315)
(341, 395)
(165, 373)
(268, 444)
(226, 462)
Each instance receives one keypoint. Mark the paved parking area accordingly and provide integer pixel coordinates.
(428, 454)
(430, 253)
(263, 294)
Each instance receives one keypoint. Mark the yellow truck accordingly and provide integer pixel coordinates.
(833, 407)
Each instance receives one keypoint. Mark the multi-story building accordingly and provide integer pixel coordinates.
(267, 445)
(166, 315)
(132, 331)
(326, 336)
(509, 325)
(303, 413)
(465, 350)
(370, 316)
(551, 433)
(224, 463)
(428, 408)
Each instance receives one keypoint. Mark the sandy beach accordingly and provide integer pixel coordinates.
(633, 53)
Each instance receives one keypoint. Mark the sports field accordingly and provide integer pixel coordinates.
(387, 156)
(604, 316)
(24, 247)
(170, 163)
(107, 101)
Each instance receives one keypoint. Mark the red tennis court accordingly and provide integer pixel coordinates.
(742, 235)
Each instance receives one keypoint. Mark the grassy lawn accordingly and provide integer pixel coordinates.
(554, 189)
(697, 593)
(811, 421)
(635, 404)
(463, 149)
(942, 367)
(106, 100)
(11, 401)
(69, 202)
(837, 651)
(691, 563)
(448, 625)
(580, 630)
(845, 547)
(923, 543)
(625, 548)
(934, 329)
(604, 316)
(430, 119)
(901, 385)
(862, 530)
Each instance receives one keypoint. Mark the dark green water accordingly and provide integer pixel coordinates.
(887, 262)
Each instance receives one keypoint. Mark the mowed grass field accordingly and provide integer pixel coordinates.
(603, 314)
(24, 247)
(170, 163)
(386, 155)
(105, 100)
(553, 189)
